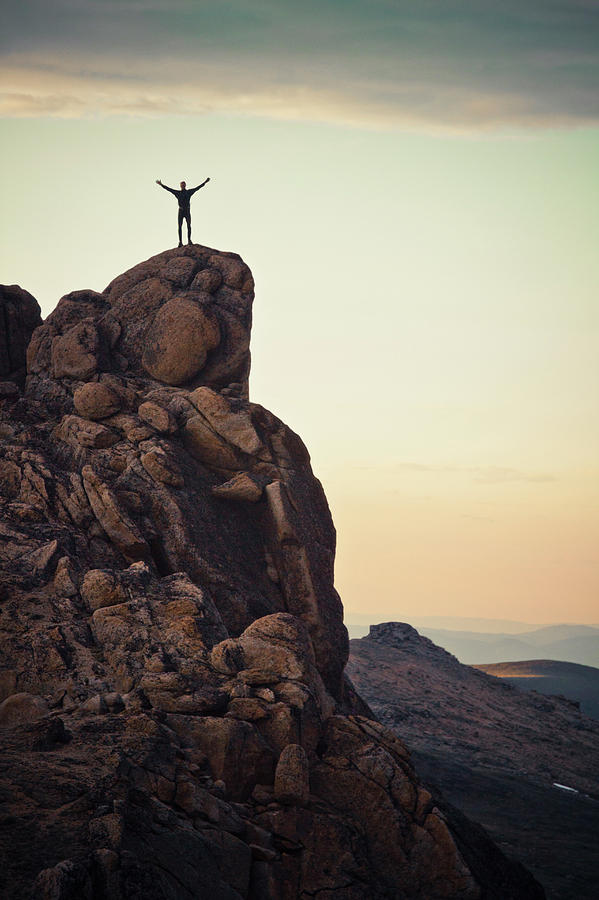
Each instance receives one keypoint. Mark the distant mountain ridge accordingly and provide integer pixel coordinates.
(551, 677)
(564, 643)
(496, 752)
(459, 623)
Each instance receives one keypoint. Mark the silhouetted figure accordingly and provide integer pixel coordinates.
(183, 197)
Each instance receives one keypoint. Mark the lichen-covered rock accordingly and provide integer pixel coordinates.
(101, 588)
(115, 522)
(21, 709)
(229, 419)
(75, 353)
(176, 722)
(208, 280)
(75, 430)
(235, 751)
(241, 487)
(209, 447)
(160, 465)
(157, 416)
(95, 400)
(292, 776)
(64, 578)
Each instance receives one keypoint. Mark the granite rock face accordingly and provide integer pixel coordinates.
(175, 718)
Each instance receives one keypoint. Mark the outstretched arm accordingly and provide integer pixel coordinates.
(193, 190)
(158, 181)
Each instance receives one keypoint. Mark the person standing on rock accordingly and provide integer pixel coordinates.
(183, 196)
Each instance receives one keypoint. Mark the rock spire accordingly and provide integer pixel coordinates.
(175, 718)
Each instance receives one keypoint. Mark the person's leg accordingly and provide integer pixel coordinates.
(188, 220)
(179, 224)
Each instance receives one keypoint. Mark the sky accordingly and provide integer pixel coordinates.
(415, 187)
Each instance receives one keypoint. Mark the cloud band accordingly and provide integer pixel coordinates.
(449, 65)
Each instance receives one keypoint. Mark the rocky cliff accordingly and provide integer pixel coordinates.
(175, 719)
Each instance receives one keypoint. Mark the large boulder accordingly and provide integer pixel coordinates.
(178, 341)
(21, 709)
(75, 354)
(95, 400)
(19, 317)
(292, 776)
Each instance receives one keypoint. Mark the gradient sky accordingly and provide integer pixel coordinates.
(415, 187)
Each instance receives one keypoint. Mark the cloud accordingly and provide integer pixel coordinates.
(408, 63)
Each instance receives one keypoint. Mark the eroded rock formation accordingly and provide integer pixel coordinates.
(175, 718)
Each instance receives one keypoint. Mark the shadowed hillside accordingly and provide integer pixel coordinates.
(578, 683)
(495, 752)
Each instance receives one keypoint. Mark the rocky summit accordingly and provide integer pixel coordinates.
(175, 718)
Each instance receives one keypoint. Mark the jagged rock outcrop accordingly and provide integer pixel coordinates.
(175, 718)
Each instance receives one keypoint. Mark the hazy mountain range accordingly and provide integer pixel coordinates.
(565, 643)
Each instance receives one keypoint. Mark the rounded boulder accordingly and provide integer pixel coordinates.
(21, 709)
(101, 588)
(95, 400)
(179, 340)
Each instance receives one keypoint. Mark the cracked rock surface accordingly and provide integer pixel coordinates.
(174, 715)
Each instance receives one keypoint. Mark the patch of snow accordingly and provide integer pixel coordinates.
(564, 787)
